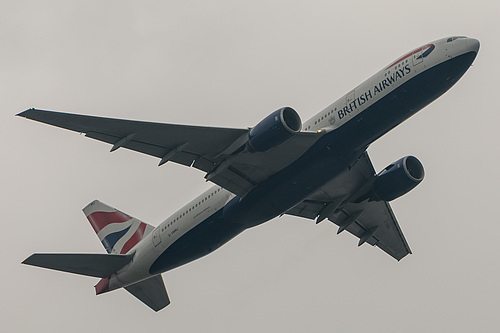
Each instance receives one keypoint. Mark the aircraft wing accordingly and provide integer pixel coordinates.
(217, 151)
(344, 201)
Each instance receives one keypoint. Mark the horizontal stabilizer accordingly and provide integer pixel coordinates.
(90, 264)
(151, 292)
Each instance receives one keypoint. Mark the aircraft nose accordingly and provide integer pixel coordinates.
(473, 44)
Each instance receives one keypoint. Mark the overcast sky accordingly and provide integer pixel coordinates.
(226, 63)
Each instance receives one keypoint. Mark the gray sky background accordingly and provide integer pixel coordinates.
(226, 63)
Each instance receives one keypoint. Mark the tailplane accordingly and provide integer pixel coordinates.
(90, 264)
(117, 231)
(151, 292)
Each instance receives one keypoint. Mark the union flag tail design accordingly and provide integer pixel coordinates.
(117, 231)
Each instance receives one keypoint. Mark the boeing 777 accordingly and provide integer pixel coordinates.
(316, 170)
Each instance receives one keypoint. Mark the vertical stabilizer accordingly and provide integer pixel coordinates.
(117, 231)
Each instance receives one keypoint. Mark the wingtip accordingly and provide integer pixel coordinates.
(23, 113)
(27, 260)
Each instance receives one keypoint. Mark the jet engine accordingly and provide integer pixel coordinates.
(398, 178)
(274, 130)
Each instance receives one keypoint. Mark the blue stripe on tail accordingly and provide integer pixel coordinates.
(110, 240)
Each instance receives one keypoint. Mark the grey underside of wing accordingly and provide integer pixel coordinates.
(372, 222)
(151, 292)
(211, 149)
(245, 170)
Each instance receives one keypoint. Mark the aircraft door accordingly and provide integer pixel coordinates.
(418, 57)
(449, 50)
(350, 98)
(156, 237)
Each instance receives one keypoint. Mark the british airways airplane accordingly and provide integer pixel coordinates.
(316, 170)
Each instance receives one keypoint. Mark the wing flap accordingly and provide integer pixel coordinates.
(308, 209)
(375, 217)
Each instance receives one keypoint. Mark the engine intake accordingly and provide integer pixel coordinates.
(274, 130)
(398, 178)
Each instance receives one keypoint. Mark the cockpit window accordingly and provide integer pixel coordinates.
(451, 39)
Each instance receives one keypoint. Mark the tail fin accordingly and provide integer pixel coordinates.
(117, 231)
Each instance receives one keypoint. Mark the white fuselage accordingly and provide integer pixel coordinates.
(328, 118)
(170, 230)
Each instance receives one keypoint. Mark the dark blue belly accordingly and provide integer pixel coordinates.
(336, 151)
(329, 157)
(198, 242)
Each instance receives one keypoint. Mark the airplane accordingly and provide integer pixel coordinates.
(318, 170)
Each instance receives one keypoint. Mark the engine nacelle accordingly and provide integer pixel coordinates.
(274, 130)
(398, 178)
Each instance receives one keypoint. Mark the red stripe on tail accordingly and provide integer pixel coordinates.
(102, 286)
(99, 220)
(136, 237)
